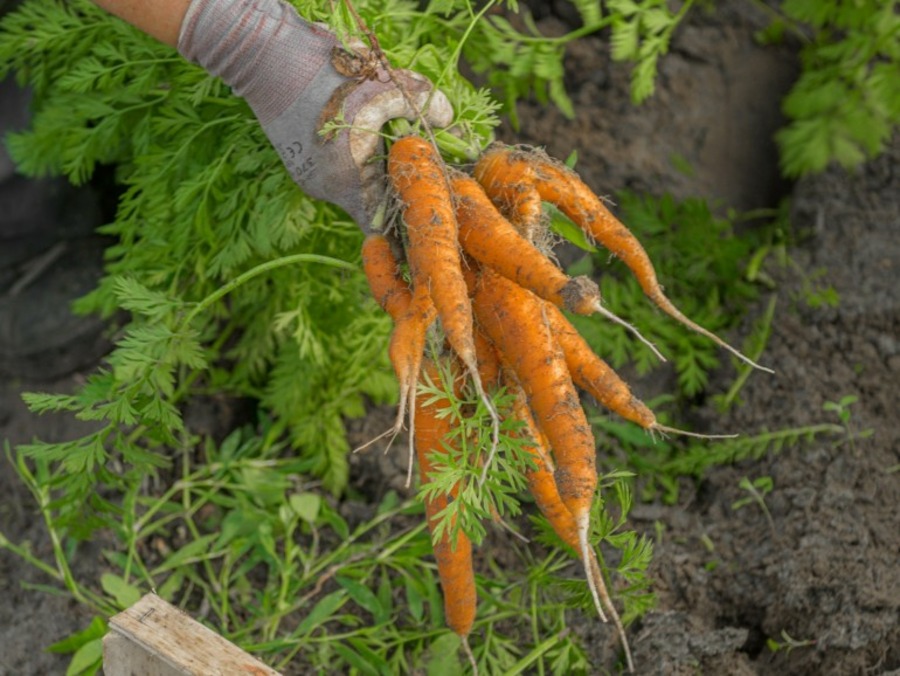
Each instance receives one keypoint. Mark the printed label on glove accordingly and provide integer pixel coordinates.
(297, 165)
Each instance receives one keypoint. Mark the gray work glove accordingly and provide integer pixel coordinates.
(296, 76)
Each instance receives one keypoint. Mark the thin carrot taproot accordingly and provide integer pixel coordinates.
(406, 351)
(419, 178)
(559, 185)
(453, 554)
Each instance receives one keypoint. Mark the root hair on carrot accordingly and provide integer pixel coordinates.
(495, 421)
(584, 526)
(387, 432)
(665, 429)
(599, 309)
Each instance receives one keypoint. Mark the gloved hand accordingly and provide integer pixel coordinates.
(296, 77)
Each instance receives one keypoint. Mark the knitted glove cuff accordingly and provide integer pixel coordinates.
(261, 48)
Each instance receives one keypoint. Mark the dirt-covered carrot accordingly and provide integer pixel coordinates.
(492, 240)
(406, 351)
(594, 375)
(453, 556)
(420, 180)
(562, 187)
(382, 271)
(412, 312)
(514, 320)
(512, 189)
(542, 486)
(597, 378)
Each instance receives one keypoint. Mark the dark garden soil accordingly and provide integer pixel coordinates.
(823, 567)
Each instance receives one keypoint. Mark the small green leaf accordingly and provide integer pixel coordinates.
(322, 612)
(414, 600)
(306, 506)
(96, 629)
(87, 660)
(124, 593)
(563, 226)
(354, 659)
(191, 552)
(365, 598)
(444, 656)
(169, 588)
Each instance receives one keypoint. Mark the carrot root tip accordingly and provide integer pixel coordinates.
(595, 580)
(586, 554)
(467, 649)
(666, 306)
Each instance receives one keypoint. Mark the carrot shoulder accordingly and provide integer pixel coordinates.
(511, 186)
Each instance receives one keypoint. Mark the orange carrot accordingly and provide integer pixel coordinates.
(419, 178)
(503, 180)
(383, 273)
(413, 312)
(540, 479)
(418, 175)
(594, 375)
(559, 185)
(543, 489)
(454, 557)
(599, 379)
(491, 240)
(513, 319)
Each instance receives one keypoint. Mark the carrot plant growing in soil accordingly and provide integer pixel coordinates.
(235, 283)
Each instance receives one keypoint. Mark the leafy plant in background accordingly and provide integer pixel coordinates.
(845, 106)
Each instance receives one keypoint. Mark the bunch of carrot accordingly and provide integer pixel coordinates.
(475, 266)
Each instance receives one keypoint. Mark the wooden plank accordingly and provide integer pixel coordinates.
(154, 638)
